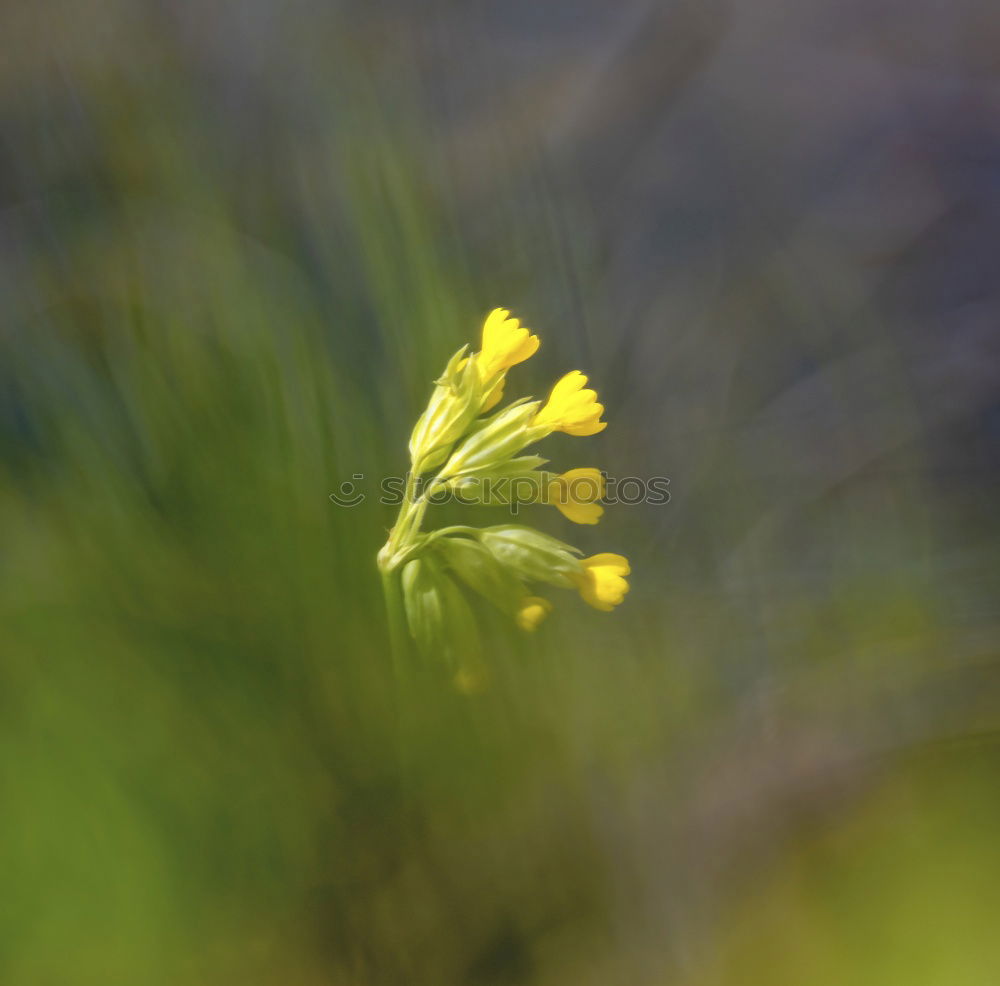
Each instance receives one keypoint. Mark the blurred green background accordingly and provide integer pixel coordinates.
(237, 242)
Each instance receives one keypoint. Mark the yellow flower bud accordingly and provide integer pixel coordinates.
(602, 581)
(570, 408)
(532, 611)
(505, 344)
(575, 494)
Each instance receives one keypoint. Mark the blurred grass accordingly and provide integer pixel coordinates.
(900, 892)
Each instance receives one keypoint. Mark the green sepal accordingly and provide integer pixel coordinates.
(423, 603)
(500, 438)
(497, 486)
(532, 555)
(453, 406)
(491, 491)
(521, 465)
(439, 617)
(461, 647)
(475, 566)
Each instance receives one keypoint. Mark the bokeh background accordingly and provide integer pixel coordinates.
(237, 242)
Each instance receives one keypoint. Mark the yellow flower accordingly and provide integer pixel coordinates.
(571, 408)
(505, 343)
(575, 494)
(602, 581)
(532, 611)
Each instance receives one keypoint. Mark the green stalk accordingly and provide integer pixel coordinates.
(402, 683)
(396, 615)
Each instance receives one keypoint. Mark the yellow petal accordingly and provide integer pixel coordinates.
(571, 408)
(565, 389)
(602, 582)
(505, 344)
(590, 425)
(575, 494)
(584, 484)
(581, 513)
(608, 559)
(493, 328)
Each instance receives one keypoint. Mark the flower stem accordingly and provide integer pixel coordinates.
(396, 617)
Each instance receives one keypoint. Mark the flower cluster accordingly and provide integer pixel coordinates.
(461, 443)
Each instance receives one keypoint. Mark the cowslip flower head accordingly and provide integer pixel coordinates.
(571, 408)
(602, 582)
(458, 449)
(575, 494)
